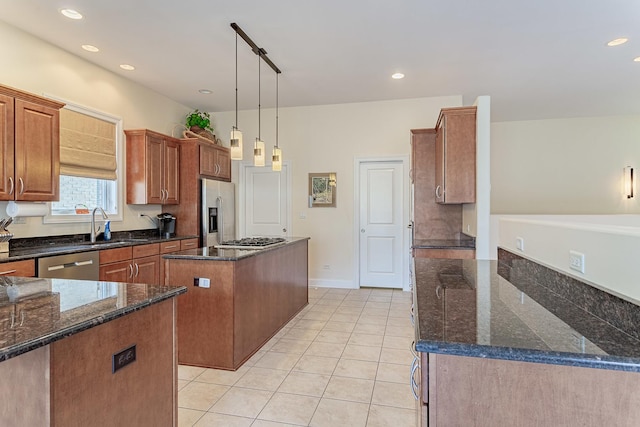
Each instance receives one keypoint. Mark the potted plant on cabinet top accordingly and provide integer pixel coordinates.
(199, 122)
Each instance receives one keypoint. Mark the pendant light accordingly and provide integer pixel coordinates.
(276, 157)
(258, 148)
(236, 135)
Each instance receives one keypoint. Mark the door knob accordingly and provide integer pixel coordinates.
(284, 230)
(362, 230)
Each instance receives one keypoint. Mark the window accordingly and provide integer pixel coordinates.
(90, 144)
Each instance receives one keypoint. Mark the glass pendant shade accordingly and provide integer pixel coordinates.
(258, 153)
(276, 159)
(236, 144)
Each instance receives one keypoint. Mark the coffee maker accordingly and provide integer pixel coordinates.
(166, 225)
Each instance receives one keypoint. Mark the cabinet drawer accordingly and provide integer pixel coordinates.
(167, 247)
(114, 255)
(188, 244)
(146, 250)
(25, 268)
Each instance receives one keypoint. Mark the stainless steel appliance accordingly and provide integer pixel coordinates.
(218, 212)
(251, 243)
(81, 266)
(166, 225)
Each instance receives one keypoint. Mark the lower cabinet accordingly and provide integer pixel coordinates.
(137, 264)
(26, 268)
(476, 391)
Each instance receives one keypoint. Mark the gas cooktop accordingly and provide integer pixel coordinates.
(251, 243)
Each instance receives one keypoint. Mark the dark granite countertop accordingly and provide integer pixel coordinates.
(37, 312)
(38, 247)
(213, 254)
(444, 244)
(515, 309)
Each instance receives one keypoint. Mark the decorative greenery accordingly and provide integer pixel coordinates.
(200, 119)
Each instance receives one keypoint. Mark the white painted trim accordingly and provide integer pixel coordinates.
(406, 237)
(331, 283)
(241, 217)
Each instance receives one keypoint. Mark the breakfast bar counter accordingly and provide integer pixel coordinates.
(512, 342)
(77, 352)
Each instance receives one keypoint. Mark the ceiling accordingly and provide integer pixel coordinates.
(536, 59)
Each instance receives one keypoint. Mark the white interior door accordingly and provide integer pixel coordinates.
(266, 201)
(381, 224)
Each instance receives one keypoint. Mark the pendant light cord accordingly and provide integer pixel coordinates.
(277, 91)
(259, 60)
(236, 80)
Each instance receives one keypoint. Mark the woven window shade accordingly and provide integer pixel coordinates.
(87, 146)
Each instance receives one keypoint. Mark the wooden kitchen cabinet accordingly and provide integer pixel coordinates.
(153, 168)
(26, 268)
(456, 155)
(215, 161)
(137, 264)
(29, 146)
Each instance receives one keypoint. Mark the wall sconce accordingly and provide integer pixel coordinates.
(332, 179)
(628, 182)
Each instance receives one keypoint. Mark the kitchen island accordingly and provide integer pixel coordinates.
(80, 353)
(237, 300)
(512, 342)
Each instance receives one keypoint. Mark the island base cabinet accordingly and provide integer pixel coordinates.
(249, 300)
(470, 391)
(71, 382)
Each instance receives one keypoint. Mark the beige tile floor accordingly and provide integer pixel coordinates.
(343, 361)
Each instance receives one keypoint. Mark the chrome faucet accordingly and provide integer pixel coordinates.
(94, 232)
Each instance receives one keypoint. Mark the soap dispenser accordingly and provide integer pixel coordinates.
(107, 230)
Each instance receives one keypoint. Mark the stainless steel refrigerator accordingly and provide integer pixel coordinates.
(218, 212)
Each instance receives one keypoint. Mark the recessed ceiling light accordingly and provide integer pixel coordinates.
(127, 67)
(71, 14)
(617, 42)
(90, 48)
(205, 91)
(636, 59)
(397, 76)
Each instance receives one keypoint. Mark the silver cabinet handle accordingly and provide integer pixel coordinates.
(13, 321)
(137, 269)
(172, 246)
(2, 273)
(130, 271)
(438, 192)
(11, 185)
(22, 316)
(413, 382)
(438, 291)
(21, 186)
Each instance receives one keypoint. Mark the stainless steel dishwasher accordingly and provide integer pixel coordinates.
(83, 266)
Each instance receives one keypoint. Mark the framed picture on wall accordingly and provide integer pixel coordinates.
(322, 190)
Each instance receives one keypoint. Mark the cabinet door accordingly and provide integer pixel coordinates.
(224, 164)
(7, 184)
(171, 171)
(208, 161)
(36, 316)
(154, 173)
(37, 152)
(147, 270)
(117, 272)
(440, 163)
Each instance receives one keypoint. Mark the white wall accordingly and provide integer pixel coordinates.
(568, 166)
(35, 66)
(610, 244)
(328, 138)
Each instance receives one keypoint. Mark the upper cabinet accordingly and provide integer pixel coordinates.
(456, 155)
(215, 161)
(153, 168)
(29, 146)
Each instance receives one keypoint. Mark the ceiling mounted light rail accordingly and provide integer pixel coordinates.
(259, 148)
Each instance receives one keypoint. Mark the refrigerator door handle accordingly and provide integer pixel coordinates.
(219, 203)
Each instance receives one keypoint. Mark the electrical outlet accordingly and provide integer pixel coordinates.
(520, 244)
(20, 220)
(202, 282)
(576, 261)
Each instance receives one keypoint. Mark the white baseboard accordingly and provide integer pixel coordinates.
(329, 283)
